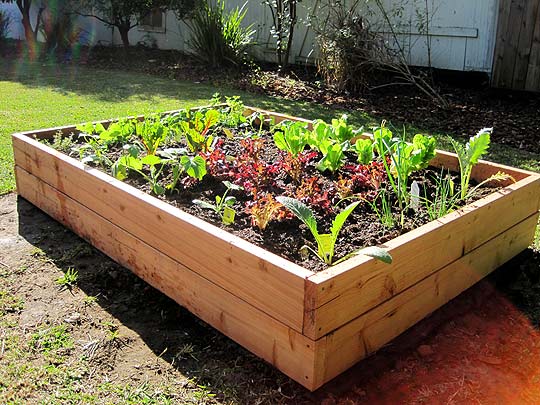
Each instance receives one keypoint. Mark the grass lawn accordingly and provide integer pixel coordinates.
(34, 96)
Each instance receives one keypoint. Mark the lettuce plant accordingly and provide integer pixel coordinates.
(292, 137)
(326, 242)
(364, 150)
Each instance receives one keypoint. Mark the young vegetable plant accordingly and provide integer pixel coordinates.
(469, 155)
(405, 158)
(292, 137)
(364, 150)
(224, 203)
(152, 132)
(193, 166)
(197, 130)
(326, 242)
(263, 211)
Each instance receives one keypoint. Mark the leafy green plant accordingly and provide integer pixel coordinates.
(94, 151)
(218, 37)
(469, 155)
(68, 279)
(197, 129)
(326, 242)
(405, 158)
(292, 137)
(152, 132)
(338, 131)
(224, 203)
(333, 155)
(364, 150)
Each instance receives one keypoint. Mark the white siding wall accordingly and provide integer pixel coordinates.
(462, 32)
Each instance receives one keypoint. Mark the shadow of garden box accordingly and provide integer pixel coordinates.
(312, 326)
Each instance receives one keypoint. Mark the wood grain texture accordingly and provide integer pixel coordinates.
(526, 34)
(517, 52)
(343, 292)
(369, 332)
(268, 338)
(265, 280)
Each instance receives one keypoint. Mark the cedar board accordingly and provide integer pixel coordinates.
(312, 326)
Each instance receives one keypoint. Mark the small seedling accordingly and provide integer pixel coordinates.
(68, 279)
(224, 203)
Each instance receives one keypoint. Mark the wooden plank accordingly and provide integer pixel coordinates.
(509, 37)
(265, 280)
(532, 82)
(343, 292)
(371, 331)
(525, 44)
(268, 338)
(500, 43)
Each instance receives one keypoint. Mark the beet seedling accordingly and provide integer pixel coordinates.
(224, 203)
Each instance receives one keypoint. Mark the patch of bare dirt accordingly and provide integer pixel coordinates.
(482, 347)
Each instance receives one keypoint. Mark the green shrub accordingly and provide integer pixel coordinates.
(218, 38)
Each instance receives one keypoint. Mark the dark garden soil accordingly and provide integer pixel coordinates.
(285, 235)
(479, 348)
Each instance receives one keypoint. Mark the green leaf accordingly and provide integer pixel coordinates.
(302, 212)
(340, 219)
(228, 216)
(478, 145)
(131, 162)
(87, 128)
(194, 166)
(211, 118)
(377, 253)
(205, 204)
(325, 247)
(364, 150)
(279, 140)
(151, 160)
(99, 128)
(232, 186)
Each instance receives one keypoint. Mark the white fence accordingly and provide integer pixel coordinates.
(461, 32)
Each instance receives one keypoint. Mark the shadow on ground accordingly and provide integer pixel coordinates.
(483, 345)
(117, 85)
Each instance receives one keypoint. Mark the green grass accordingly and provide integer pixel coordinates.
(34, 96)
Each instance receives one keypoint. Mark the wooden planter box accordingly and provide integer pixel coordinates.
(312, 326)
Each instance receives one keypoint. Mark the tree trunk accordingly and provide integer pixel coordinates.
(24, 8)
(124, 31)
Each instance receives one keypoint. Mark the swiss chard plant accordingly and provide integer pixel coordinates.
(198, 129)
(326, 242)
(152, 133)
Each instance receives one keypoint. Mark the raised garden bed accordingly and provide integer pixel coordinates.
(310, 325)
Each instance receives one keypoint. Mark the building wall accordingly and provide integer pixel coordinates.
(462, 32)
